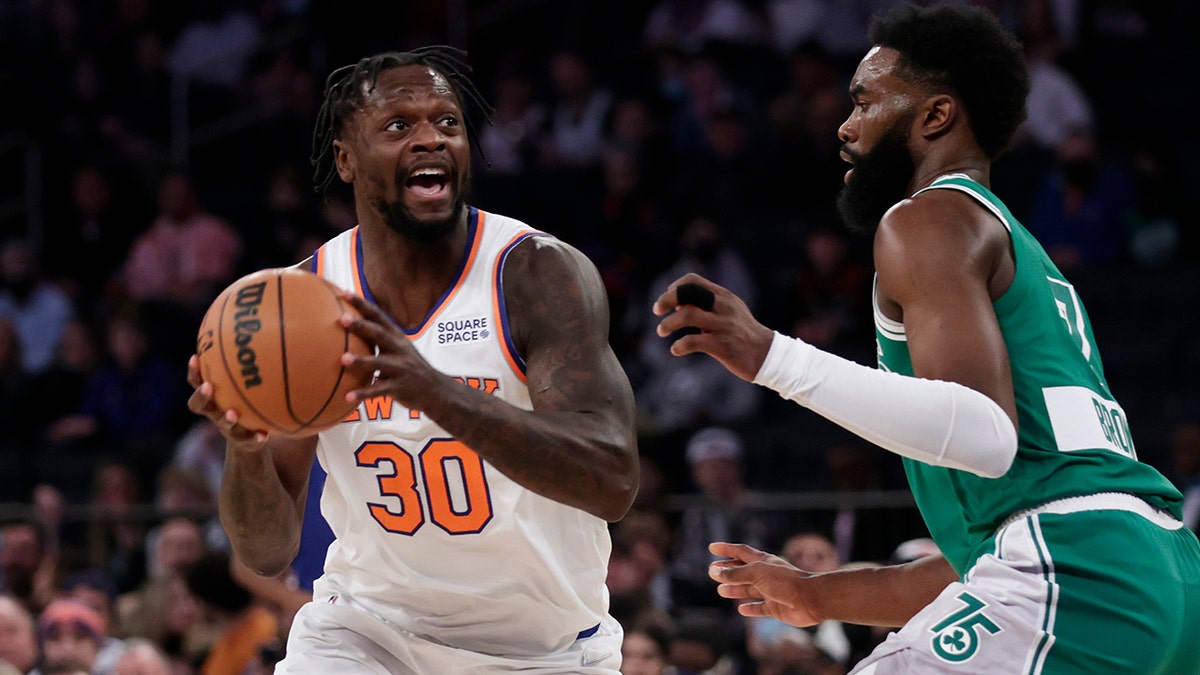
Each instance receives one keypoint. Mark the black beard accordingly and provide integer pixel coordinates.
(401, 220)
(881, 178)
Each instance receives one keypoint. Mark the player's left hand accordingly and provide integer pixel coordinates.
(729, 332)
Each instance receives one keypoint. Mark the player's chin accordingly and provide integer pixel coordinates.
(428, 207)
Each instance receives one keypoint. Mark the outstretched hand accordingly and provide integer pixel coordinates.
(767, 585)
(728, 332)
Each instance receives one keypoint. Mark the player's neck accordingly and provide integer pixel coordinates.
(407, 278)
(940, 160)
(923, 178)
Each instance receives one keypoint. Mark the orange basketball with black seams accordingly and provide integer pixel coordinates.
(271, 346)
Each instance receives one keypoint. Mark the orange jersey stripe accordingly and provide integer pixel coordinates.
(355, 272)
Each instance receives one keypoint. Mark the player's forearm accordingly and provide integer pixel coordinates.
(880, 596)
(258, 514)
(932, 421)
(583, 459)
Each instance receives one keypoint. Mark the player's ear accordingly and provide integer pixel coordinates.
(343, 159)
(940, 114)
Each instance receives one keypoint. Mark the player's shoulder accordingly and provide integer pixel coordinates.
(535, 257)
(939, 217)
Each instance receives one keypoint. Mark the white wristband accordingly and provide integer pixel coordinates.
(932, 421)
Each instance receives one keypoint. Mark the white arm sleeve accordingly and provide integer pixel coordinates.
(932, 421)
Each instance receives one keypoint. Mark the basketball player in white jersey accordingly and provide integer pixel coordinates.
(471, 489)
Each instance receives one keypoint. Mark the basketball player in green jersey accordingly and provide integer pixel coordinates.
(1061, 552)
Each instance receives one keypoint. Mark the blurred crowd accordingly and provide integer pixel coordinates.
(172, 144)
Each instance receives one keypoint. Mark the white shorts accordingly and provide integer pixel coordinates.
(338, 638)
(1080, 586)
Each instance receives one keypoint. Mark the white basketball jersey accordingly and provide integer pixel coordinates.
(430, 537)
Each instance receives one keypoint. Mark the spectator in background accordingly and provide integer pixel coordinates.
(93, 588)
(139, 123)
(1083, 208)
(644, 651)
(58, 390)
(703, 643)
(715, 456)
(830, 291)
(215, 46)
(639, 580)
(130, 404)
(92, 237)
(142, 657)
(37, 308)
(1057, 105)
(187, 255)
(289, 221)
(734, 178)
(512, 144)
(153, 610)
(676, 396)
(794, 22)
(862, 533)
(577, 115)
(15, 445)
(186, 492)
(116, 540)
(689, 25)
(509, 142)
(18, 636)
(166, 614)
(627, 209)
(202, 449)
(177, 544)
(1157, 233)
(701, 89)
(28, 571)
(71, 634)
(243, 627)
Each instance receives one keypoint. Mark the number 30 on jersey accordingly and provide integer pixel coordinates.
(456, 497)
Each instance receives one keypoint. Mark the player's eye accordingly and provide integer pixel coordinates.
(397, 125)
(449, 121)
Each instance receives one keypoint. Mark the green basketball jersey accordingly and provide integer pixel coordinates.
(1073, 438)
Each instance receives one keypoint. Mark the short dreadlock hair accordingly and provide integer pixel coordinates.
(965, 50)
(345, 93)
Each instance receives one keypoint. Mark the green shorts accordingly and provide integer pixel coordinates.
(1082, 586)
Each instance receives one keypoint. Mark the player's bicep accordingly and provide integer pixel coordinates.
(558, 312)
(938, 276)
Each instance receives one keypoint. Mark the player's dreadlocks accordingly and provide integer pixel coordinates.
(345, 91)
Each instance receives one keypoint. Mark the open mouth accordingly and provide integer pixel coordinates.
(428, 182)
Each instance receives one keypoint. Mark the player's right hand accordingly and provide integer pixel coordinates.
(728, 332)
(766, 585)
(201, 403)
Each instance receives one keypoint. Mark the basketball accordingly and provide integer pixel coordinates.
(271, 346)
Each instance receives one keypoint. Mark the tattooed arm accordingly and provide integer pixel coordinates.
(577, 445)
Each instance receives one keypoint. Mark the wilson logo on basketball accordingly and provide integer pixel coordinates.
(245, 326)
